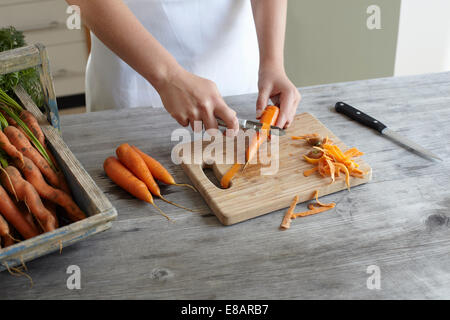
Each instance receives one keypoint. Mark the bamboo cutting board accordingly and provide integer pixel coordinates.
(252, 194)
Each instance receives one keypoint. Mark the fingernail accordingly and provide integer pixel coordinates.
(258, 113)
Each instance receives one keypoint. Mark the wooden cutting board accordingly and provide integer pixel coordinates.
(252, 194)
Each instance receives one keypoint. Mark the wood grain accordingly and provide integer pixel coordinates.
(399, 221)
(253, 194)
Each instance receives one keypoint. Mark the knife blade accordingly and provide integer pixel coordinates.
(249, 124)
(373, 123)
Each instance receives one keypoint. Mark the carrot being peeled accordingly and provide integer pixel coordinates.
(268, 118)
(227, 177)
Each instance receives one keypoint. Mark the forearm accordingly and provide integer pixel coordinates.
(270, 22)
(117, 27)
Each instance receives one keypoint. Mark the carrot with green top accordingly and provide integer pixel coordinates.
(23, 145)
(5, 144)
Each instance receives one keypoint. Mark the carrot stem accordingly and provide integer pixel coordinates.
(176, 205)
(185, 185)
(162, 212)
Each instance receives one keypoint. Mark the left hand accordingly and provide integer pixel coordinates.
(274, 83)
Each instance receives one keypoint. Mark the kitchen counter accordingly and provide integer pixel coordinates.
(399, 222)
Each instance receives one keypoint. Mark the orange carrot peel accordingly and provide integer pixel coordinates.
(333, 161)
(314, 208)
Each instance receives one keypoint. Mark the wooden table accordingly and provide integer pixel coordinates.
(398, 222)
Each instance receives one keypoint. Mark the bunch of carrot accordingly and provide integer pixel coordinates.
(31, 185)
(329, 160)
(136, 171)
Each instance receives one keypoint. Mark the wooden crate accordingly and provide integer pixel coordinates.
(86, 193)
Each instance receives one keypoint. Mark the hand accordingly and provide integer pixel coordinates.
(190, 98)
(274, 83)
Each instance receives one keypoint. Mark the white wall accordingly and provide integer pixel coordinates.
(424, 37)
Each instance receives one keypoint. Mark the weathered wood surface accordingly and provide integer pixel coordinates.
(252, 192)
(399, 221)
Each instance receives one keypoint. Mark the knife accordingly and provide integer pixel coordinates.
(249, 124)
(370, 122)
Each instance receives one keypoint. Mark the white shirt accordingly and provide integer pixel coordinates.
(214, 39)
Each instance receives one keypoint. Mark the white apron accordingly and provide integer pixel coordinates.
(214, 39)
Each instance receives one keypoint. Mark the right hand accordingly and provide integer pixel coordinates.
(190, 98)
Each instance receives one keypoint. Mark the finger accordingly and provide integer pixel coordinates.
(209, 120)
(183, 121)
(261, 102)
(228, 115)
(287, 101)
(195, 120)
(196, 124)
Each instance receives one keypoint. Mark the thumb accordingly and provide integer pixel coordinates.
(261, 103)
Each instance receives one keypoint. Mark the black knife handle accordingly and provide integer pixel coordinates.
(359, 116)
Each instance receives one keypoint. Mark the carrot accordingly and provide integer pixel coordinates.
(136, 164)
(33, 125)
(10, 120)
(158, 171)
(28, 194)
(34, 176)
(15, 217)
(286, 223)
(5, 233)
(10, 149)
(226, 179)
(268, 118)
(125, 179)
(35, 128)
(7, 241)
(22, 144)
(52, 207)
